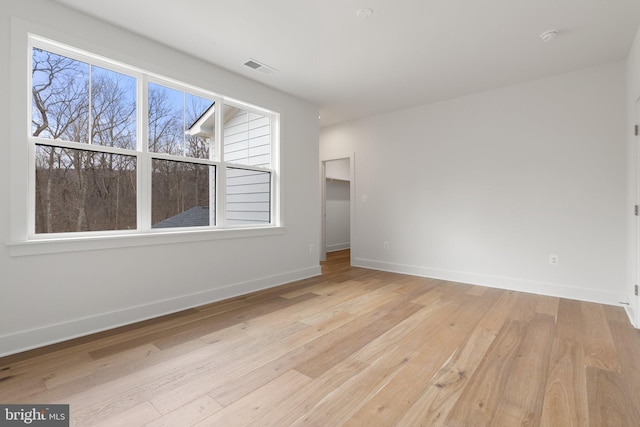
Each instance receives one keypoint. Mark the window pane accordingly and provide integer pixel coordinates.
(248, 197)
(60, 97)
(179, 123)
(182, 194)
(199, 126)
(113, 109)
(78, 190)
(247, 137)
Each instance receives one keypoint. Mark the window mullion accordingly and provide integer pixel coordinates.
(31, 178)
(221, 170)
(144, 158)
(276, 177)
(31, 222)
(90, 107)
(60, 143)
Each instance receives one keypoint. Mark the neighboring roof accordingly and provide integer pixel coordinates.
(197, 216)
(203, 126)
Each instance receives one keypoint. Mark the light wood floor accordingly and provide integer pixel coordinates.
(354, 347)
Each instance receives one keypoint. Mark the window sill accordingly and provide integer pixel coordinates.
(89, 243)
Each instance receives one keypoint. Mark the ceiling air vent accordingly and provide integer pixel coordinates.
(265, 69)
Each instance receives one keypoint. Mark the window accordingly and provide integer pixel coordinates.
(116, 150)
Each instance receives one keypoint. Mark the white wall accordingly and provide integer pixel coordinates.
(337, 223)
(51, 297)
(633, 193)
(482, 189)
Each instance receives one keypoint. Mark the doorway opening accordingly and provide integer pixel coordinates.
(337, 206)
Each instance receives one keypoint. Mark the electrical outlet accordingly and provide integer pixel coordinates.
(554, 260)
(311, 247)
(385, 245)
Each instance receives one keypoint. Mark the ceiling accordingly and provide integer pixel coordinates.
(409, 52)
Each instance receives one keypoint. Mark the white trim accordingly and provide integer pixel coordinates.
(500, 282)
(90, 243)
(630, 315)
(323, 201)
(323, 211)
(51, 334)
(634, 310)
(338, 247)
(35, 140)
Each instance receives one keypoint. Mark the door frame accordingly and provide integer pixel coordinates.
(636, 247)
(323, 201)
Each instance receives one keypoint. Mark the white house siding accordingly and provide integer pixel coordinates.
(247, 141)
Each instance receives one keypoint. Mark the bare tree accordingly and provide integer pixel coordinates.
(76, 187)
(60, 98)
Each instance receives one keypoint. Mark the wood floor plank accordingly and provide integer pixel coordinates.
(479, 400)
(477, 291)
(18, 381)
(246, 374)
(137, 415)
(111, 398)
(342, 402)
(616, 314)
(525, 307)
(188, 414)
(627, 343)
(565, 402)
(547, 305)
(76, 370)
(266, 398)
(446, 386)
(61, 351)
(599, 350)
(224, 358)
(318, 341)
(297, 405)
(21, 390)
(432, 296)
(158, 363)
(407, 333)
(373, 299)
(349, 344)
(523, 396)
(258, 402)
(608, 400)
(393, 401)
(229, 318)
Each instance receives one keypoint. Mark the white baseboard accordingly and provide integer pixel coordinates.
(338, 247)
(632, 317)
(500, 282)
(51, 334)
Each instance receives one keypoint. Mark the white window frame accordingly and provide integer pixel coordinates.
(41, 243)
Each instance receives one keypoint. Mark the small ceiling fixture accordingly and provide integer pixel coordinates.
(364, 13)
(259, 66)
(547, 36)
